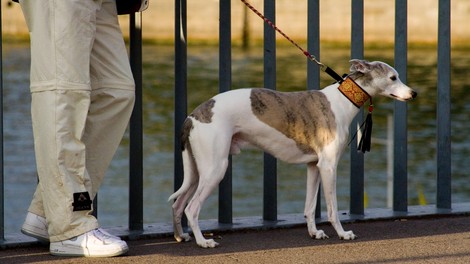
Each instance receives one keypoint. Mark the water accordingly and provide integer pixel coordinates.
(20, 173)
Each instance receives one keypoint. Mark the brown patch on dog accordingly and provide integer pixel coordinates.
(185, 131)
(304, 117)
(203, 113)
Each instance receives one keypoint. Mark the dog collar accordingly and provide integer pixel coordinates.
(351, 90)
(358, 96)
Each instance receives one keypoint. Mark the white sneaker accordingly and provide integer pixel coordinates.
(35, 226)
(95, 243)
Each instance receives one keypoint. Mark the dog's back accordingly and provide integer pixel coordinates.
(291, 126)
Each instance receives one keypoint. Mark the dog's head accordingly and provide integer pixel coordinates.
(379, 78)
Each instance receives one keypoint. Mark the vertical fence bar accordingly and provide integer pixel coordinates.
(357, 158)
(400, 137)
(225, 82)
(443, 108)
(270, 164)
(136, 198)
(2, 179)
(313, 71)
(181, 104)
(313, 43)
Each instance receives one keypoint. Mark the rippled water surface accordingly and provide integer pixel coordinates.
(247, 69)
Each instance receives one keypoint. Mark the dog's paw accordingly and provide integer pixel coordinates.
(319, 234)
(183, 238)
(348, 235)
(209, 243)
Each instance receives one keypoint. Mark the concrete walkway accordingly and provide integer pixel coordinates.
(426, 240)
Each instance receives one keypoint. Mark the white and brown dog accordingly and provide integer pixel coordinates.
(310, 127)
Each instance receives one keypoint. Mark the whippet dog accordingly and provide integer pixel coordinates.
(310, 127)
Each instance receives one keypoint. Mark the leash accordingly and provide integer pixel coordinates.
(322, 66)
(351, 87)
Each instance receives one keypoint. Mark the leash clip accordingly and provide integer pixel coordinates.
(312, 58)
(322, 66)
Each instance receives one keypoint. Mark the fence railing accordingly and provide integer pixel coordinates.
(270, 214)
(2, 176)
(400, 178)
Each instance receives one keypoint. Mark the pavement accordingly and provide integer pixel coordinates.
(417, 240)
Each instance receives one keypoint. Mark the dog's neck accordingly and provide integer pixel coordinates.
(343, 108)
(353, 92)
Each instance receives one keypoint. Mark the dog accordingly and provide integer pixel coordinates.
(309, 127)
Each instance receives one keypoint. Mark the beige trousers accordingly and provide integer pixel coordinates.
(82, 97)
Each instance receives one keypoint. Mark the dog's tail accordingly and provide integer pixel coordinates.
(187, 159)
(180, 191)
(189, 178)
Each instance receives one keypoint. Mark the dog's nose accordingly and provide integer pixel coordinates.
(414, 94)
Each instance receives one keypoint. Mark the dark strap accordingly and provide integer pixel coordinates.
(334, 75)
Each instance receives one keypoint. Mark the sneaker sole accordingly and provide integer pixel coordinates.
(35, 235)
(85, 253)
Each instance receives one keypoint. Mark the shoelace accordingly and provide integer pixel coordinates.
(101, 235)
(105, 236)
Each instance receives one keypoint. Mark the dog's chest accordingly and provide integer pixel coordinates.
(305, 117)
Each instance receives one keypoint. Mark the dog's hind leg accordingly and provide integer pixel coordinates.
(178, 210)
(185, 192)
(209, 180)
(328, 177)
(211, 149)
(313, 184)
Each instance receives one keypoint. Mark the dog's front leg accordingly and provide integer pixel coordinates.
(313, 184)
(328, 177)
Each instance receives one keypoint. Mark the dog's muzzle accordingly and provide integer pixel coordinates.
(413, 95)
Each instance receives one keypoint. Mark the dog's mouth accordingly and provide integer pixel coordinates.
(401, 98)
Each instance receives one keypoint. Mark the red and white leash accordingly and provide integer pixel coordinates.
(365, 141)
(323, 67)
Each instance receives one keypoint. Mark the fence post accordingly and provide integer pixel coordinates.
(270, 164)
(400, 138)
(225, 82)
(181, 104)
(136, 200)
(2, 177)
(313, 71)
(443, 108)
(313, 44)
(357, 158)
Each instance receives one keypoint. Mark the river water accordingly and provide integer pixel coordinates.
(247, 69)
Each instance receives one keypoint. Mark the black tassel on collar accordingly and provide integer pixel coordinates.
(364, 143)
(358, 96)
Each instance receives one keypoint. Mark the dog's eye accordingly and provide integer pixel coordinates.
(393, 78)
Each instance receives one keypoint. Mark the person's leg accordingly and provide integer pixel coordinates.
(62, 36)
(58, 124)
(112, 96)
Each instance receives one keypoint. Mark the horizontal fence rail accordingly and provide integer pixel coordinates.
(136, 227)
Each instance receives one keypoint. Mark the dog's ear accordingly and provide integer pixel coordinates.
(360, 66)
